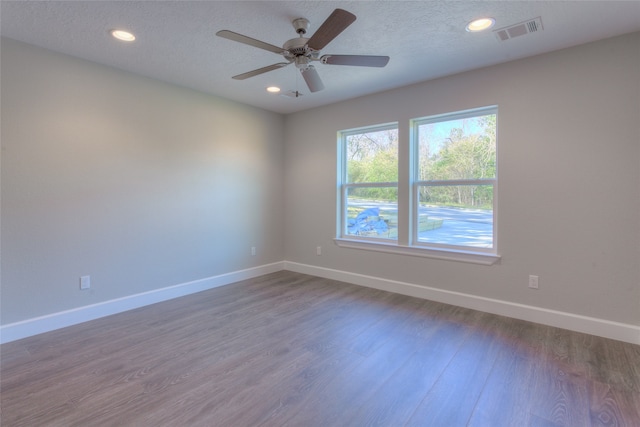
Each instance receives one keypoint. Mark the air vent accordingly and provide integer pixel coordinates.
(521, 29)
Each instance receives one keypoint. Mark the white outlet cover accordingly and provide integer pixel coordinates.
(85, 282)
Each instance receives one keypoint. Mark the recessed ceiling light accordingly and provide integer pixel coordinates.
(123, 35)
(273, 89)
(480, 24)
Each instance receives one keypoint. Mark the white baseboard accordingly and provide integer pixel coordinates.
(38, 325)
(574, 322)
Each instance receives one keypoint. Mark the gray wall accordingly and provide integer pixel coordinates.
(144, 185)
(569, 180)
(139, 184)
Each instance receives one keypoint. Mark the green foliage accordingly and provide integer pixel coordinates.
(373, 157)
(469, 152)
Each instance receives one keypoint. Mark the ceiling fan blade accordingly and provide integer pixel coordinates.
(358, 60)
(248, 40)
(312, 78)
(260, 70)
(336, 23)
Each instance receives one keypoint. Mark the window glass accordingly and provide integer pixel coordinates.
(370, 193)
(372, 212)
(372, 156)
(442, 219)
(455, 180)
(457, 149)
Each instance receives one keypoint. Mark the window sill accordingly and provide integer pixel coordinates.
(448, 255)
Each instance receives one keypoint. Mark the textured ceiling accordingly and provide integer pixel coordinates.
(425, 39)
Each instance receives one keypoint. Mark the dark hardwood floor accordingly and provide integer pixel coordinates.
(288, 349)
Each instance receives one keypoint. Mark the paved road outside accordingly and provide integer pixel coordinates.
(462, 227)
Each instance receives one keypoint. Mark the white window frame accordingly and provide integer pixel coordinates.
(413, 247)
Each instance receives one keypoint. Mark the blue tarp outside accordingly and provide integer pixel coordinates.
(362, 223)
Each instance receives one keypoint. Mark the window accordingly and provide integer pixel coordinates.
(370, 183)
(446, 205)
(455, 179)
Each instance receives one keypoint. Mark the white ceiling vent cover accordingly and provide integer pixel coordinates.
(521, 29)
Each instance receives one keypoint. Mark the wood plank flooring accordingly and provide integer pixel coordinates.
(288, 349)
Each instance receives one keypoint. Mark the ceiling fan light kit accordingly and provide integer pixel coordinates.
(302, 51)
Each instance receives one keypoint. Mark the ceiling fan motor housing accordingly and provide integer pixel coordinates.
(297, 46)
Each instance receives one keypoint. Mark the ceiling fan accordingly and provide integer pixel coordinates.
(302, 50)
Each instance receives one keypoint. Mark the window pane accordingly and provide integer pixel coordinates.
(372, 212)
(457, 149)
(372, 156)
(460, 215)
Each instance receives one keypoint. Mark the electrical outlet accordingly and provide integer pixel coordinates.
(533, 282)
(318, 250)
(85, 282)
(253, 251)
